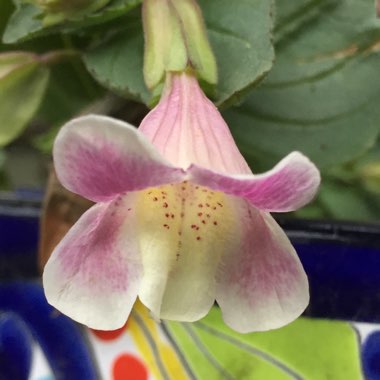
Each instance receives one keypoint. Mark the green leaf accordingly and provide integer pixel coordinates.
(6, 8)
(346, 202)
(313, 210)
(240, 38)
(292, 16)
(367, 170)
(4, 181)
(26, 21)
(308, 349)
(64, 100)
(321, 97)
(21, 93)
(117, 64)
(349, 192)
(2, 158)
(70, 90)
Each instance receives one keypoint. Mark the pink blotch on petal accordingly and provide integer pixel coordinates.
(262, 285)
(97, 254)
(291, 184)
(100, 157)
(93, 274)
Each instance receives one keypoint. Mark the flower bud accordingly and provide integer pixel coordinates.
(56, 11)
(370, 176)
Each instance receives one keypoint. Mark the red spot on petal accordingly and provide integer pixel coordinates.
(200, 213)
(129, 367)
(198, 238)
(165, 205)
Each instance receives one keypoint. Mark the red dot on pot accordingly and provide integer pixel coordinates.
(129, 367)
(109, 335)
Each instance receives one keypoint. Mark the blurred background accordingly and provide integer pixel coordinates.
(292, 76)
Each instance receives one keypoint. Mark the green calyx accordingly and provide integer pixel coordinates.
(176, 39)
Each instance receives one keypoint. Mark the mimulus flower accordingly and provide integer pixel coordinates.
(180, 220)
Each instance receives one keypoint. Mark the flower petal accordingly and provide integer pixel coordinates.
(187, 128)
(291, 184)
(93, 274)
(181, 237)
(99, 157)
(262, 285)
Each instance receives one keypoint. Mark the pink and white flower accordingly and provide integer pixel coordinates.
(180, 220)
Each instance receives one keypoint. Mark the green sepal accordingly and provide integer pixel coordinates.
(176, 40)
(199, 49)
(165, 48)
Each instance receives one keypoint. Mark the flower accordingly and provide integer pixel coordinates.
(180, 220)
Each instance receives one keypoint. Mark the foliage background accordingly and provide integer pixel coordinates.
(297, 75)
